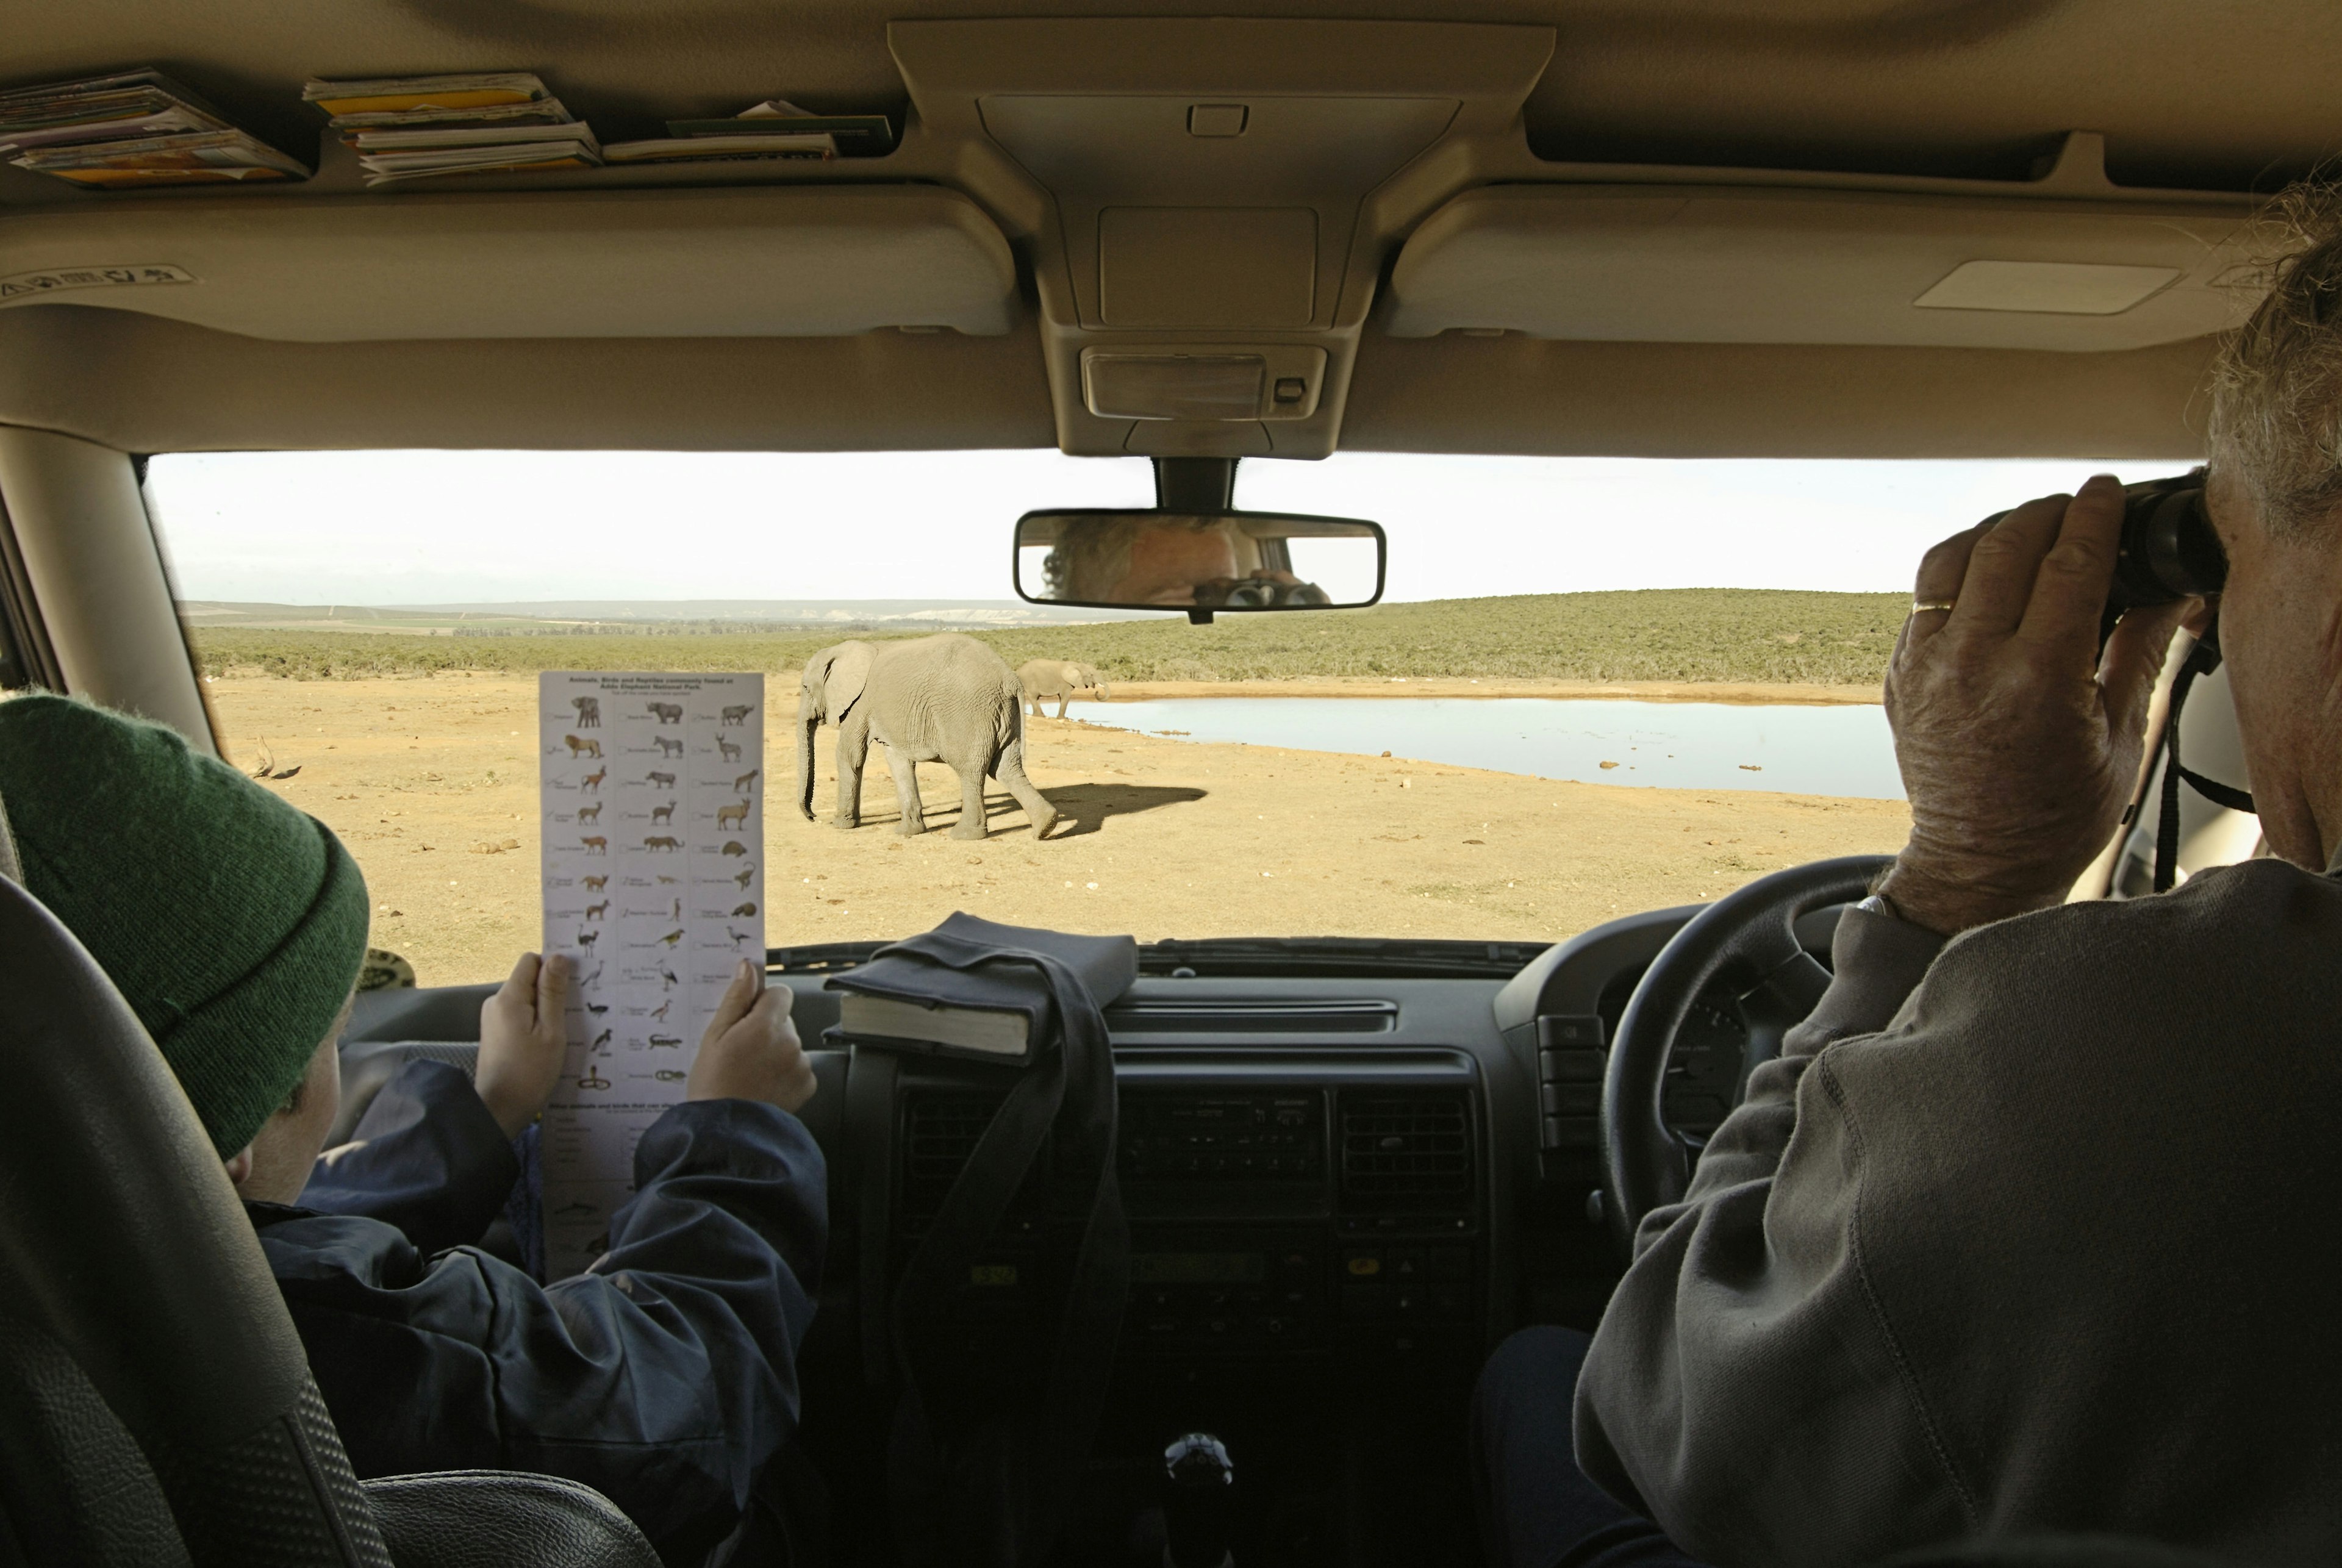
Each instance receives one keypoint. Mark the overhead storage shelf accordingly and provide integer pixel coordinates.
(1677, 263)
(823, 261)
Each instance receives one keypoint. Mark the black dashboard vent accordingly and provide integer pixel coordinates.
(939, 1134)
(1405, 1148)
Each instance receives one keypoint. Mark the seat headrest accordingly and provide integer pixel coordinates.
(120, 1235)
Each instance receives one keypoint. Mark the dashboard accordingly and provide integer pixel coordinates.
(1333, 1164)
(1348, 1171)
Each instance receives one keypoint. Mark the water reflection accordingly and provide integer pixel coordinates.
(1844, 749)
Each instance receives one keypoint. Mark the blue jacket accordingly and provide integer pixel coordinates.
(664, 1376)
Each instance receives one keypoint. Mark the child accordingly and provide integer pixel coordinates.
(234, 924)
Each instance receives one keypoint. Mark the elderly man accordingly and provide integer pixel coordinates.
(2031, 1227)
(1170, 560)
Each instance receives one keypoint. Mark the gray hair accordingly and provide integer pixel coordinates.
(2276, 382)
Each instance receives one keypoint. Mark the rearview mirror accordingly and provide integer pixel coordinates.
(1200, 562)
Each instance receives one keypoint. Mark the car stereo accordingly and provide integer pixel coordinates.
(1285, 1218)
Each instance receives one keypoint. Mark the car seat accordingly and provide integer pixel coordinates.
(156, 1405)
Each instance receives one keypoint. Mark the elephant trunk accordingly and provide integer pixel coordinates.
(808, 730)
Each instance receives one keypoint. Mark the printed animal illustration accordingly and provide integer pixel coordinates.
(659, 781)
(726, 749)
(672, 937)
(666, 881)
(592, 979)
(738, 713)
(663, 813)
(666, 844)
(597, 910)
(596, 884)
(745, 909)
(590, 813)
(599, 1041)
(589, 938)
(671, 1076)
(667, 982)
(595, 844)
(734, 846)
(945, 698)
(589, 712)
(593, 1079)
(597, 1008)
(668, 748)
(666, 712)
(593, 780)
(659, 1013)
(731, 815)
(747, 875)
(742, 785)
(578, 748)
(737, 937)
(1058, 678)
(667, 1041)
(678, 914)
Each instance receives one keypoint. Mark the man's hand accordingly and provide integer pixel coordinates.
(523, 1034)
(751, 1050)
(2019, 744)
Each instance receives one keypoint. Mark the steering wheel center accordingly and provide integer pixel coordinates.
(1746, 943)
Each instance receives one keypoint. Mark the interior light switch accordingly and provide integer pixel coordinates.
(1291, 389)
(1217, 120)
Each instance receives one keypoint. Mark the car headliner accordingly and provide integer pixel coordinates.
(1928, 103)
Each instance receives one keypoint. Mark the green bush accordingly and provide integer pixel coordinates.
(1654, 635)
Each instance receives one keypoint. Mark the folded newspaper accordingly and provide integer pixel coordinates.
(132, 128)
(415, 127)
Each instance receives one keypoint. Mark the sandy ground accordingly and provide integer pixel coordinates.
(431, 783)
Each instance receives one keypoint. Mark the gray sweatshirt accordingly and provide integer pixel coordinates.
(2034, 1230)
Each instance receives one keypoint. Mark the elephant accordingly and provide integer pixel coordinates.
(945, 698)
(1057, 678)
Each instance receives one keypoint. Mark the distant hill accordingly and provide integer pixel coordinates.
(700, 613)
(1652, 635)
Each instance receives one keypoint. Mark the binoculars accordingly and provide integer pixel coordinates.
(2168, 551)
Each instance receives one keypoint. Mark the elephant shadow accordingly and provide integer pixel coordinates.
(1083, 808)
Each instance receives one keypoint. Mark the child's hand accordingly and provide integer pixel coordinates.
(523, 1034)
(750, 1051)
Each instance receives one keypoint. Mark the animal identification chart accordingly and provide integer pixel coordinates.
(651, 795)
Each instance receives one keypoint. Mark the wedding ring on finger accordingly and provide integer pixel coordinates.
(1921, 607)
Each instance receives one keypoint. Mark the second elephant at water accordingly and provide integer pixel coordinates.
(1059, 678)
(945, 698)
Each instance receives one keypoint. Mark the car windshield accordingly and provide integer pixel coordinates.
(1593, 687)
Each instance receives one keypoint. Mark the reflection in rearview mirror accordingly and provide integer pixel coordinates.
(1198, 562)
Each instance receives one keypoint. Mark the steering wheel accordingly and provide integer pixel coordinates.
(1746, 941)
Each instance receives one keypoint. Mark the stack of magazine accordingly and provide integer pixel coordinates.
(415, 127)
(775, 129)
(132, 128)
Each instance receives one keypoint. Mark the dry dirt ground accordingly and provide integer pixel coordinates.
(431, 783)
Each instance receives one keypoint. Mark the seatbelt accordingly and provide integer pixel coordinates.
(10, 866)
(2202, 660)
(988, 1488)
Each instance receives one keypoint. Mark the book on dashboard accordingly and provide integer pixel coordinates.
(903, 999)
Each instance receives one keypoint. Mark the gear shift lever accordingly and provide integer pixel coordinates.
(1198, 1485)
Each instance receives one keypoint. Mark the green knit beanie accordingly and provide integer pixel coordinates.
(231, 922)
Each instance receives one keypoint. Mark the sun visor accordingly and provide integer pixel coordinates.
(1691, 264)
(823, 262)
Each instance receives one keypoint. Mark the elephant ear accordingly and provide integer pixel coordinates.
(847, 673)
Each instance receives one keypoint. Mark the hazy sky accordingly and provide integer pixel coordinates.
(435, 527)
